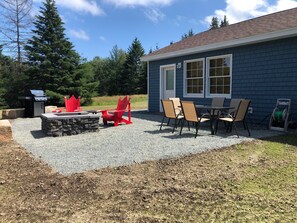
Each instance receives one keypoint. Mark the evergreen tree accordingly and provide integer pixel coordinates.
(53, 62)
(187, 35)
(102, 70)
(116, 63)
(134, 75)
(214, 23)
(224, 22)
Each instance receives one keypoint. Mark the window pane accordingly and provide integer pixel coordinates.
(212, 63)
(169, 80)
(219, 72)
(213, 81)
(194, 65)
(189, 66)
(189, 74)
(213, 90)
(220, 81)
(212, 72)
(226, 71)
(219, 62)
(190, 90)
(227, 89)
(227, 62)
(194, 73)
(227, 81)
(220, 90)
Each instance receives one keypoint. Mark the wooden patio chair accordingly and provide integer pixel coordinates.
(238, 116)
(170, 113)
(116, 115)
(191, 115)
(72, 104)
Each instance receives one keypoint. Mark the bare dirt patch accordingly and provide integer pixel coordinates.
(250, 182)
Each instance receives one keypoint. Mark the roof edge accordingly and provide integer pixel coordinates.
(226, 44)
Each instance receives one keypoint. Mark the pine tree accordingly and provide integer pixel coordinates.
(187, 35)
(50, 54)
(134, 75)
(214, 23)
(224, 22)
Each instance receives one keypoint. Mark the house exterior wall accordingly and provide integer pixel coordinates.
(261, 72)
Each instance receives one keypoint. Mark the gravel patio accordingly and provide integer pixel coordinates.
(122, 145)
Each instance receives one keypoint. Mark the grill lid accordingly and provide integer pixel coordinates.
(38, 93)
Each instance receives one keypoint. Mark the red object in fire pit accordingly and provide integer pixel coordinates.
(72, 104)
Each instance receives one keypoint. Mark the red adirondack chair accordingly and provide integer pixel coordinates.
(72, 104)
(117, 115)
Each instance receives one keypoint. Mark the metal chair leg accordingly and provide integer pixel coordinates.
(175, 125)
(182, 125)
(233, 123)
(246, 126)
(162, 123)
(197, 128)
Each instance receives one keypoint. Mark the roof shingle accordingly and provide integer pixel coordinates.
(282, 20)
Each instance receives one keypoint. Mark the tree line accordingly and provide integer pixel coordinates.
(41, 57)
(47, 60)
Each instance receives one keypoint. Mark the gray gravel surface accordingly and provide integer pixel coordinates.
(122, 145)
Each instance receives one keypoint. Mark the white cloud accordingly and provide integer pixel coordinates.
(132, 3)
(238, 10)
(88, 6)
(102, 38)
(79, 34)
(155, 15)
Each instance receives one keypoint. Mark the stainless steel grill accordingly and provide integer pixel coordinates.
(34, 103)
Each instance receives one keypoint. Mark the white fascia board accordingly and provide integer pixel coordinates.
(226, 44)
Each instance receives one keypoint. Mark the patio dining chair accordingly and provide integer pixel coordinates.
(170, 113)
(177, 105)
(238, 116)
(216, 102)
(191, 115)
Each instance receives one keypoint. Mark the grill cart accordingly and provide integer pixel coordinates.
(34, 103)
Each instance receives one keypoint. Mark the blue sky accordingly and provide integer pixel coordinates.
(95, 26)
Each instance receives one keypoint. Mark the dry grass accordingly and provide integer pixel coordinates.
(110, 102)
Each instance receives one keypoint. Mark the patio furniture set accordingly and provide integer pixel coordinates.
(188, 111)
(75, 121)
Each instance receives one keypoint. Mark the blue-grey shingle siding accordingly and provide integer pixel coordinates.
(261, 72)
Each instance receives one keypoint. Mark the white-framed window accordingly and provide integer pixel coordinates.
(194, 78)
(219, 76)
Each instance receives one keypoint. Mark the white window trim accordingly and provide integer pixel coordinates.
(207, 87)
(198, 95)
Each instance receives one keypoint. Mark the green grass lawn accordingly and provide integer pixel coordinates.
(110, 102)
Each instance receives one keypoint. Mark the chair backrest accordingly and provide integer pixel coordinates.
(72, 103)
(177, 105)
(217, 102)
(235, 104)
(176, 102)
(242, 110)
(122, 105)
(168, 108)
(189, 111)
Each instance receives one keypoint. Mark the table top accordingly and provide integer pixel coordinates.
(214, 107)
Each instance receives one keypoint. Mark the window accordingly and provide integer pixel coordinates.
(194, 77)
(219, 72)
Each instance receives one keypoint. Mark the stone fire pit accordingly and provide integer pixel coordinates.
(69, 123)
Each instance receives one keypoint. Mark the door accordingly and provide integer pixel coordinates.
(167, 83)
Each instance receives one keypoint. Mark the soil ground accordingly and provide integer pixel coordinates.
(251, 182)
